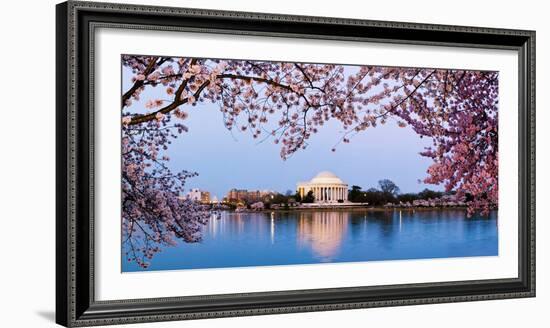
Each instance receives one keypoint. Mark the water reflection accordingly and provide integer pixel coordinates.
(300, 237)
(272, 227)
(323, 232)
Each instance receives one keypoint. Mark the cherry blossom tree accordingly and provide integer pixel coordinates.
(153, 213)
(288, 103)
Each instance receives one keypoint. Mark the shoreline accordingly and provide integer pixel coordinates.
(352, 208)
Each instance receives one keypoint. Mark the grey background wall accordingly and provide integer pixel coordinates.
(27, 162)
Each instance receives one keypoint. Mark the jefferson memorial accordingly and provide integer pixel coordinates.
(326, 187)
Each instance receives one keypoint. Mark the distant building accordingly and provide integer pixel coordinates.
(236, 194)
(326, 188)
(198, 195)
(250, 196)
(205, 197)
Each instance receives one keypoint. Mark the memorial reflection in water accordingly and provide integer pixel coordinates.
(323, 232)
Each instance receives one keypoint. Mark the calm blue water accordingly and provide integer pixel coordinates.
(255, 239)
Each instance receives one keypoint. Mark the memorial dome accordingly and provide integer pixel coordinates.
(326, 177)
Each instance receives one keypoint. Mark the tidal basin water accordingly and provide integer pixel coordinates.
(307, 237)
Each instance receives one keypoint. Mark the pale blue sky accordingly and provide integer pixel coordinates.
(226, 159)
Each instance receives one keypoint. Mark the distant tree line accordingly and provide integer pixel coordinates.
(388, 192)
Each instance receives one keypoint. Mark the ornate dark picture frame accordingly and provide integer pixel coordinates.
(75, 301)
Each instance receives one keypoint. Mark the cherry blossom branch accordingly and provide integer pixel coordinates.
(139, 83)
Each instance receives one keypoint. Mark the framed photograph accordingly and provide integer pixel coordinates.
(215, 164)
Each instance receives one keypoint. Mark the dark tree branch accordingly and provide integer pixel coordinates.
(139, 83)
